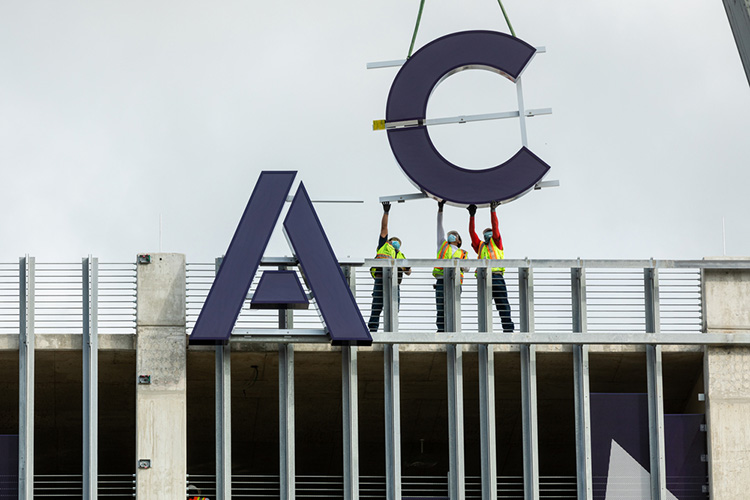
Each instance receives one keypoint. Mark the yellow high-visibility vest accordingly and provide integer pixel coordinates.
(492, 251)
(387, 252)
(446, 252)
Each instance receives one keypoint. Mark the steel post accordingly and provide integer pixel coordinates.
(392, 387)
(484, 298)
(452, 298)
(350, 415)
(521, 112)
(390, 298)
(487, 422)
(528, 389)
(223, 416)
(456, 483)
(655, 388)
(26, 345)
(223, 420)
(286, 422)
(486, 359)
(526, 298)
(581, 386)
(350, 405)
(90, 354)
(286, 316)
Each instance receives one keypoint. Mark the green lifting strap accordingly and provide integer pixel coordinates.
(507, 20)
(419, 18)
(416, 28)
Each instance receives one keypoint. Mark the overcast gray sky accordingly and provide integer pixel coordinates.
(112, 113)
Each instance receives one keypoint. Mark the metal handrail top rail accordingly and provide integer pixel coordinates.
(565, 263)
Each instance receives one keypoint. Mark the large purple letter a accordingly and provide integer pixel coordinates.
(342, 318)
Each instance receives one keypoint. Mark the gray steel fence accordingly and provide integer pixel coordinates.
(614, 296)
(59, 295)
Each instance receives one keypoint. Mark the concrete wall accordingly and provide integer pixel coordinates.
(161, 424)
(726, 299)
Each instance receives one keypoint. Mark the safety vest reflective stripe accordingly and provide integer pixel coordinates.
(444, 249)
(446, 252)
(492, 251)
(386, 252)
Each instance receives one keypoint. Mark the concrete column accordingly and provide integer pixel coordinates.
(161, 421)
(726, 309)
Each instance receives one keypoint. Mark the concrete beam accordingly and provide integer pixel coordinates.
(70, 342)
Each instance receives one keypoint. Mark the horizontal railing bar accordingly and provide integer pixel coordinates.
(531, 338)
(561, 264)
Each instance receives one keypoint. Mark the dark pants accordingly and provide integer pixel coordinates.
(440, 304)
(500, 296)
(377, 304)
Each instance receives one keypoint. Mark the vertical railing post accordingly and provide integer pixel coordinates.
(390, 298)
(350, 411)
(287, 472)
(452, 298)
(90, 353)
(655, 388)
(486, 358)
(581, 386)
(223, 416)
(484, 298)
(286, 422)
(528, 390)
(526, 298)
(392, 388)
(350, 407)
(286, 316)
(454, 355)
(26, 345)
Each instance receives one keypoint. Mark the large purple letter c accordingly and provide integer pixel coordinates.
(411, 145)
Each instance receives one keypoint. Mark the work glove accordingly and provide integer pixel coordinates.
(472, 210)
(386, 206)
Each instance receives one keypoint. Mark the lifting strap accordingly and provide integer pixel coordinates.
(419, 18)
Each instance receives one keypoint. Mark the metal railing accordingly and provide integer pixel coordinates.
(413, 487)
(614, 293)
(71, 486)
(58, 297)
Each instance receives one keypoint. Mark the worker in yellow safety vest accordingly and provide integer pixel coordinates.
(491, 247)
(448, 247)
(388, 248)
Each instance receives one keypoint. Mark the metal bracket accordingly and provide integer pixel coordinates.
(401, 198)
(384, 125)
(144, 463)
(395, 63)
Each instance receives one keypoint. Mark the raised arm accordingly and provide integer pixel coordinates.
(440, 229)
(384, 220)
(495, 226)
(475, 241)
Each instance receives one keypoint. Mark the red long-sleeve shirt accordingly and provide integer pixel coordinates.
(476, 241)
